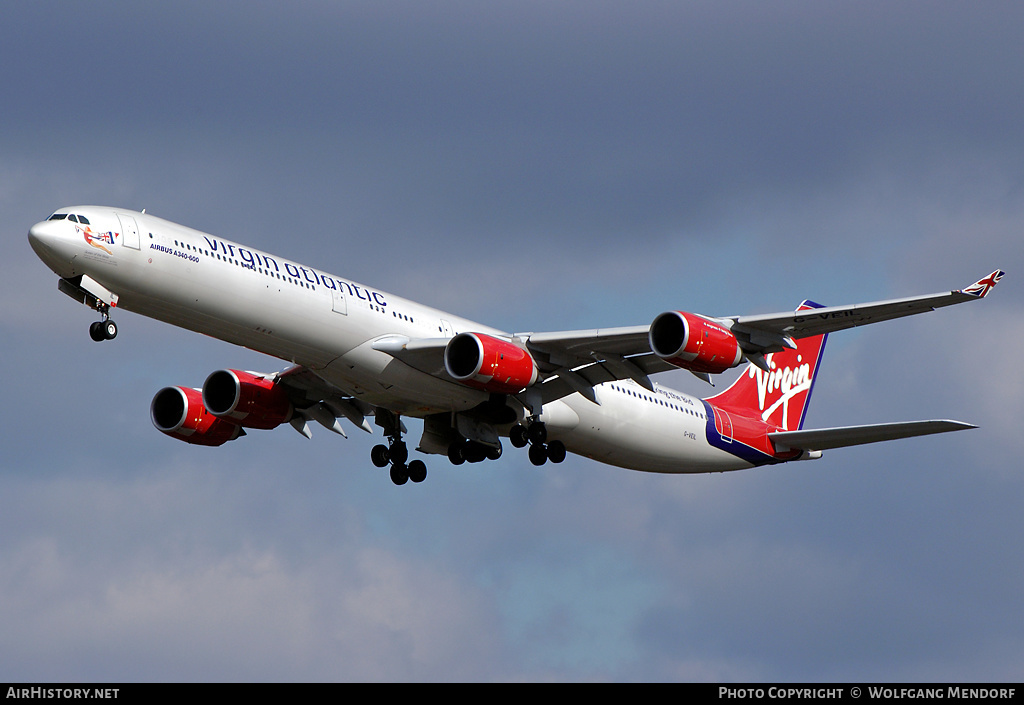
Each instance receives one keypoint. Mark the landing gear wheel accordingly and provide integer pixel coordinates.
(556, 451)
(493, 453)
(103, 330)
(399, 474)
(537, 433)
(379, 456)
(518, 436)
(398, 452)
(417, 471)
(538, 454)
(455, 454)
(474, 452)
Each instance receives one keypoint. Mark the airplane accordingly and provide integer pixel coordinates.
(357, 352)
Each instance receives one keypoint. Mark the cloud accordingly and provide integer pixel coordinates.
(540, 167)
(226, 603)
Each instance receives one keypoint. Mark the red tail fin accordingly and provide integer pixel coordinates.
(779, 397)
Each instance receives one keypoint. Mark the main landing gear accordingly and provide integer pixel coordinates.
(396, 453)
(105, 329)
(467, 451)
(460, 449)
(535, 434)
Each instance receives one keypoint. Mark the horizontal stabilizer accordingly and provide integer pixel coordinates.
(826, 438)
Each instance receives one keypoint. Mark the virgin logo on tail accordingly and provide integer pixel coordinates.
(790, 382)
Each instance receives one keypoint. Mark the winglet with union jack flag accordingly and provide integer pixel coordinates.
(981, 287)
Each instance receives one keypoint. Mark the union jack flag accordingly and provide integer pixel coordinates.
(982, 287)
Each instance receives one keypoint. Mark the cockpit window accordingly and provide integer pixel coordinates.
(58, 216)
(83, 220)
(73, 218)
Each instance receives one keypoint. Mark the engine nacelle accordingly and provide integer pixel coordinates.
(246, 399)
(491, 364)
(179, 412)
(694, 343)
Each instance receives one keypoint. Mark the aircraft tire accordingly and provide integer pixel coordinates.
(537, 432)
(96, 331)
(417, 471)
(399, 474)
(398, 452)
(474, 452)
(556, 451)
(518, 436)
(379, 456)
(538, 454)
(109, 329)
(455, 454)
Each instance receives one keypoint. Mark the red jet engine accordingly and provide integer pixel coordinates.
(491, 364)
(246, 399)
(179, 412)
(694, 343)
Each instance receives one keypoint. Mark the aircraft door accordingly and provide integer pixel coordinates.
(723, 424)
(339, 302)
(129, 231)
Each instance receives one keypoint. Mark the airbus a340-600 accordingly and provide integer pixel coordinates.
(358, 352)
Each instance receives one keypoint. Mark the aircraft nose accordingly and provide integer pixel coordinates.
(42, 236)
(46, 241)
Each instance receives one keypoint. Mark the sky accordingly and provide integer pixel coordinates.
(534, 166)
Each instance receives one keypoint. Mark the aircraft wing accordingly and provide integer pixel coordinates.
(843, 436)
(768, 332)
(577, 361)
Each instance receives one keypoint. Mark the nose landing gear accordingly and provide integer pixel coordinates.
(105, 329)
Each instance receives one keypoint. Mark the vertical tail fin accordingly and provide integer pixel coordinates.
(780, 396)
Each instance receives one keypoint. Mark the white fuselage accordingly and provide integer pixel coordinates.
(328, 324)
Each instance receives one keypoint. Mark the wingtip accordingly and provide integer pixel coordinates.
(983, 286)
(952, 425)
(964, 426)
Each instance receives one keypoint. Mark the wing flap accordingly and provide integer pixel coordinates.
(638, 368)
(843, 436)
